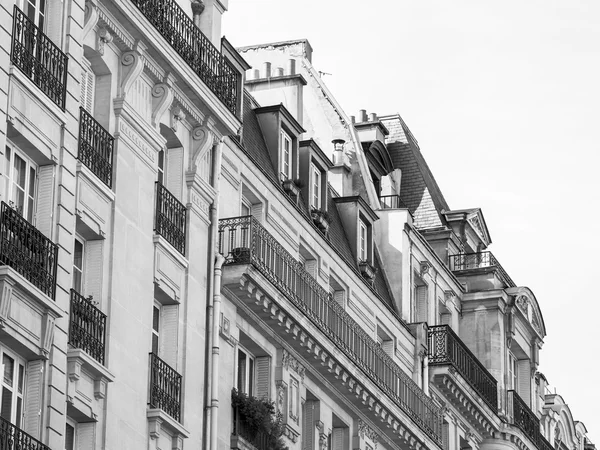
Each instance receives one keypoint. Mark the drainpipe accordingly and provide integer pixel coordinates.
(214, 289)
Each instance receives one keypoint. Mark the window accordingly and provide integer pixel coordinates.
(161, 167)
(34, 10)
(512, 372)
(155, 329)
(13, 384)
(362, 241)
(20, 176)
(246, 209)
(337, 290)
(69, 437)
(88, 85)
(286, 156)
(420, 302)
(385, 341)
(78, 266)
(315, 194)
(245, 372)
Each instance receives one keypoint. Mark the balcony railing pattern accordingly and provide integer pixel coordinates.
(470, 261)
(193, 46)
(165, 388)
(527, 421)
(392, 202)
(87, 327)
(39, 58)
(95, 147)
(170, 220)
(13, 438)
(446, 348)
(242, 240)
(24, 248)
(241, 427)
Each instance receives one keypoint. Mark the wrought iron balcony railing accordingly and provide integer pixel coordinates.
(165, 388)
(446, 348)
(24, 248)
(470, 261)
(95, 147)
(87, 327)
(13, 438)
(170, 220)
(39, 58)
(525, 419)
(241, 427)
(195, 48)
(392, 202)
(242, 240)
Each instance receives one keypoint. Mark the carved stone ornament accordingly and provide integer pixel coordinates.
(469, 435)
(364, 430)
(162, 98)
(133, 66)
(197, 7)
(291, 363)
(104, 37)
(281, 391)
(90, 17)
(177, 115)
(204, 138)
(425, 266)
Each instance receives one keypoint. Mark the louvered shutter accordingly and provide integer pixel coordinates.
(263, 372)
(446, 319)
(388, 347)
(524, 380)
(445, 436)
(308, 426)
(175, 171)
(421, 303)
(88, 86)
(338, 296)
(45, 200)
(338, 438)
(168, 334)
(256, 212)
(93, 269)
(312, 267)
(85, 435)
(33, 397)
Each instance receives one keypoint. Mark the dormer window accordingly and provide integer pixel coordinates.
(286, 156)
(362, 241)
(315, 187)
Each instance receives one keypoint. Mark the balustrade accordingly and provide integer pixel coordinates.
(13, 438)
(95, 147)
(87, 327)
(170, 220)
(165, 387)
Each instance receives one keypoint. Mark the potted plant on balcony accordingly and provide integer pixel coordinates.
(367, 270)
(256, 421)
(321, 218)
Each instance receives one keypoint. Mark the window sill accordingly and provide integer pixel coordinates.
(160, 424)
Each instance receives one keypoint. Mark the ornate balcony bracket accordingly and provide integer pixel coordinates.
(132, 63)
(90, 17)
(162, 97)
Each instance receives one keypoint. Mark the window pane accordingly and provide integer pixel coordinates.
(20, 172)
(19, 412)
(9, 369)
(78, 254)
(155, 344)
(155, 319)
(6, 404)
(69, 437)
(21, 376)
(241, 375)
(251, 377)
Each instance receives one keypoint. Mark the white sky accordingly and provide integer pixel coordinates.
(503, 98)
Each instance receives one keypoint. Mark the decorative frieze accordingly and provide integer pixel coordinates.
(365, 431)
(291, 363)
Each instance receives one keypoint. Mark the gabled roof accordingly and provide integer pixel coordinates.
(418, 188)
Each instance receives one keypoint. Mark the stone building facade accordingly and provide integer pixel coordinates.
(171, 231)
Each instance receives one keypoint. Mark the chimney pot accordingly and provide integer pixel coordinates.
(292, 67)
(279, 72)
(373, 117)
(267, 69)
(256, 74)
(352, 120)
(362, 115)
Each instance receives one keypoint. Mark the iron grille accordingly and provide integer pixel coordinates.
(87, 327)
(24, 248)
(244, 429)
(471, 261)
(13, 438)
(242, 240)
(527, 421)
(446, 348)
(193, 46)
(95, 147)
(39, 58)
(165, 387)
(392, 202)
(170, 221)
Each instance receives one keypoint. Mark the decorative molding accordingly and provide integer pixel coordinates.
(91, 16)
(365, 430)
(289, 362)
(106, 19)
(177, 115)
(132, 63)
(425, 266)
(162, 98)
(291, 434)
(281, 387)
(104, 37)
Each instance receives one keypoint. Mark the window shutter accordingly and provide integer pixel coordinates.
(338, 438)
(257, 209)
(312, 267)
(33, 400)
(524, 380)
(168, 334)
(446, 319)
(85, 435)
(445, 436)
(93, 269)
(388, 347)
(45, 200)
(88, 86)
(421, 303)
(308, 426)
(338, 296)
(175, 171)
(263, 366)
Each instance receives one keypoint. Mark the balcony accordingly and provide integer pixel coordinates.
(13, 438)
(170, 220)
(527, 421)
(195, 49)
(244, 436)
(87, 327)
(391, 202)
(243, 241)
(467, 263)
(95, 147)
(39, 58)
(24, 248)
(446, 348)
(165, 388)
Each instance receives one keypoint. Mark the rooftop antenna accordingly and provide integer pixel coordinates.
(321, 73)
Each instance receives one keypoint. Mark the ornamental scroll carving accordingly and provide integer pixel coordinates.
(291, 363)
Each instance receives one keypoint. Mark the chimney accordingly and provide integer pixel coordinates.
(291, 67)
(256, 74)
(362, 115)
(338, 151)
(373, 117)
(279, 72)
(267, 69)
(352, 120)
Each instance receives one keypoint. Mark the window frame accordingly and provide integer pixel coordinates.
(29, 191)
(315, 186)
(513, 372)
(250, 372)
(363, 241)
(24, 6)
(19, 378)
(156, 325)
(286, 155)
(81, 269)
